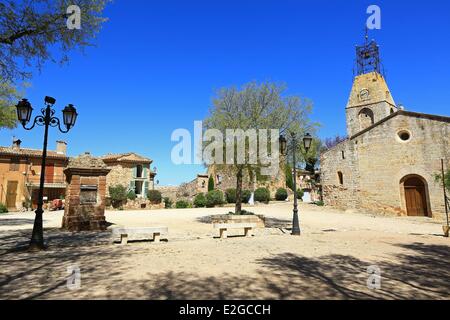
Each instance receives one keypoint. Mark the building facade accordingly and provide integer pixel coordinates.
(389, 162)
(130, 170)
(20, 172)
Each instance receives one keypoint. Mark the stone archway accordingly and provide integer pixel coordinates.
(415, 189)
(366, 118)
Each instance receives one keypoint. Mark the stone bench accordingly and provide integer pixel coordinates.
(148, 233)
(223, 228)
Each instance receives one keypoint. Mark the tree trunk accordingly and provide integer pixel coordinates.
(238, 208)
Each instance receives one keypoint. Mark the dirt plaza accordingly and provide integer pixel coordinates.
(330, 260)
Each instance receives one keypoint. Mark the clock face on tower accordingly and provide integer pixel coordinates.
(364, 95)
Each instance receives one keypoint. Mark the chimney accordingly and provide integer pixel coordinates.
(61, 147)
(16, 144)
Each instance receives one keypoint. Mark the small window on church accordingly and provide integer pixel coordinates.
(341, 178)
(343, 155)
(404, 135)
(392, 110)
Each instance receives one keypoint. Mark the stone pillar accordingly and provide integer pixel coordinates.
(85, 194)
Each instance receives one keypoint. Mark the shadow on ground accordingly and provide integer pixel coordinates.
(16, 222)
(419, 272)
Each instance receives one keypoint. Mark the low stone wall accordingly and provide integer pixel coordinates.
(138, 204)
(142, 204)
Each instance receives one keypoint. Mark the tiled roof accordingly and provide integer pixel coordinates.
(126, 157)
(30, 153)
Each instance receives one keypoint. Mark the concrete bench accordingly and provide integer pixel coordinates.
(223, 228)
(149, 233)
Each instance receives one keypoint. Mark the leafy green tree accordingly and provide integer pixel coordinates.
(210, 183)
(8, 98)
(29, 33)
(257, 106)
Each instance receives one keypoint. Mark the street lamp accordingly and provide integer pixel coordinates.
(307, 141)
(47, 119)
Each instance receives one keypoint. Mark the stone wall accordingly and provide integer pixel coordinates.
(170, 192)
(228, 180)
(376, 162)
(120, 174)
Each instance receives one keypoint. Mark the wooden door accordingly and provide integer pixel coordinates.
(416, 201)
(11, 194)
(49, 173)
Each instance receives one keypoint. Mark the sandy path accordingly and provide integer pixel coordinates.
(328, 261)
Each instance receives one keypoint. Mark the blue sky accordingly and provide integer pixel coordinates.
(157, 65)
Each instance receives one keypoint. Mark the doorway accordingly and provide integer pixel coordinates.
(11, 194)
(416, 197)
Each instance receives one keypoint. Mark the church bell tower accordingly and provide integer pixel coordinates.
(370, 98)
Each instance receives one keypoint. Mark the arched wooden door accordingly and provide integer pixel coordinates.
(416, 197)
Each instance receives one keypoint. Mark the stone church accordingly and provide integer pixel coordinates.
(390, 159)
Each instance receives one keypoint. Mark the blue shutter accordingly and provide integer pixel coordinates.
(132, 186)
(134, 172)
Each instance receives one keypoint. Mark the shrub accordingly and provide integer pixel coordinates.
(300, 194)
(154, 196)
(200, 201)
(3, 208)
(319, 203)
(131, 195)
(281, 194)
(118, 195)
(230, 195)
(214, 198)
(210, 183)
(182, 204)
(246, 195)
(168, 203)
(262, 195)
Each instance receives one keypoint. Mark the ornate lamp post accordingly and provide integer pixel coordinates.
(47, 119)
(307, 140)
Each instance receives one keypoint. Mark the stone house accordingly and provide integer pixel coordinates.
(389, 161)
(20, 172)
(130, 170)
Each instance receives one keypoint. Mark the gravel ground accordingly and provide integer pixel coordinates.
(329, 260)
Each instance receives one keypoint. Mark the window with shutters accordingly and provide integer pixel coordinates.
(139, 171)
